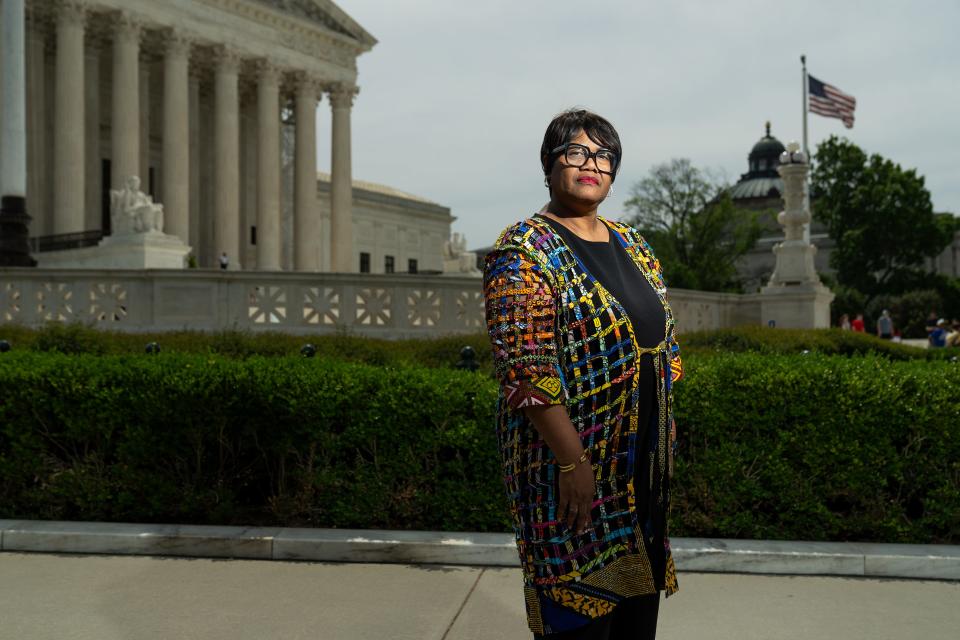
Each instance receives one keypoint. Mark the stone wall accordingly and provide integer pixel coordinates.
(390, 306)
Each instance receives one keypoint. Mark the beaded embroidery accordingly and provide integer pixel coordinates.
(559, 337)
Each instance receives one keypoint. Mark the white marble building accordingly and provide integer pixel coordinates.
(197, 98)
(394, 231)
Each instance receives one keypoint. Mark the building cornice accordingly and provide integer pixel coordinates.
(300, 34)
(307, 37)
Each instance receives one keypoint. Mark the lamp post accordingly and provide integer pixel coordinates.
(14, 248)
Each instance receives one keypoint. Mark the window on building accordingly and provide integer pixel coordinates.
(388, 264)
(411, 265)
(253, 235)
(364, 262)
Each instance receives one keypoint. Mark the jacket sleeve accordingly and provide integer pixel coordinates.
(520, 313)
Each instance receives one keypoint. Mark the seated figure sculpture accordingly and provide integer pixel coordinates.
(133, 211)
(456, 258)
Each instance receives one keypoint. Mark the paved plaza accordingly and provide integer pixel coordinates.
(99, 597)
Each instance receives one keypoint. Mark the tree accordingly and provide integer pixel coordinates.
(696, 231)
(879, 216)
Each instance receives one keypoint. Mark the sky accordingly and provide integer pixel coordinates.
(455, 97)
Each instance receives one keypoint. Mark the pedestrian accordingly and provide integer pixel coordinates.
(953, 337)
(885, 326)
(857, 324)
(845, 322)
(587, 452)
(224, 261)
(938, 337)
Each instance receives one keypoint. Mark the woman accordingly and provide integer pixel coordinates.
(585, 350)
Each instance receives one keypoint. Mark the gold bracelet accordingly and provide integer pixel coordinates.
(566, 468)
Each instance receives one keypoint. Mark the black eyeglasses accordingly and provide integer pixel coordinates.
(577, 155)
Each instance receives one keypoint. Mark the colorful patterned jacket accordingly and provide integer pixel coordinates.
(559, 337)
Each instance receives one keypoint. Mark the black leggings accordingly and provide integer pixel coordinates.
(633, 619)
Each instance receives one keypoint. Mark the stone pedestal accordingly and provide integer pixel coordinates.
(795, 298)
(151, 250)
(801, 307)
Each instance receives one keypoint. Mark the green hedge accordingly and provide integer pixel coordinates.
(440, 352)
(819, 448)
(809, 447)
(76, 338)
(302, 442)
(795, 341)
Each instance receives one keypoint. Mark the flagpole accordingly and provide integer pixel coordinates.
(806, 85)
(806, 151)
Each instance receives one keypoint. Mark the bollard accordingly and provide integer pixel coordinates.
(468, 359)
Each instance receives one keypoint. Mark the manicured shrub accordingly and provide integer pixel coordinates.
(815, 446)
(208, 439)
(819, 448)
(795, 341)
(442, 351)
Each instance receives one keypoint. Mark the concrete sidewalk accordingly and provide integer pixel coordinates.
(98, 597)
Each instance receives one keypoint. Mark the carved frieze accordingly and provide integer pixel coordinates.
(309, 10)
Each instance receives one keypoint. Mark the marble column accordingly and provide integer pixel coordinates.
(92, 216)
(36, 130)
(125, 160)
(176, 138)
(13, 101)
(341, 182)
(14, 221)
(306, 216)
(69, 134)
(194, 191)
(227, 158)
(268, 167)
(144, 99)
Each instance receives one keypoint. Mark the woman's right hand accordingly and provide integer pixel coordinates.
(577, 487)
(577, 491)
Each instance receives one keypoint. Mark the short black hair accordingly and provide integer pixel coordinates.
(565, 127)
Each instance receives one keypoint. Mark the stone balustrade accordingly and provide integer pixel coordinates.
(389, 306)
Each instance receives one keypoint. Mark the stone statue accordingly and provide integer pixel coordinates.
(456, 259)
(133, 211)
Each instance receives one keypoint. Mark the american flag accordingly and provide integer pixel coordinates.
(827, 100)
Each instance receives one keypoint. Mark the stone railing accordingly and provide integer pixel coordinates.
(701, 310)
(390, 306)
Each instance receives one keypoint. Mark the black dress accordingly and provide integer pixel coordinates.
(609, 263)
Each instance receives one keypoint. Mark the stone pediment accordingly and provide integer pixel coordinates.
(325, 14)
